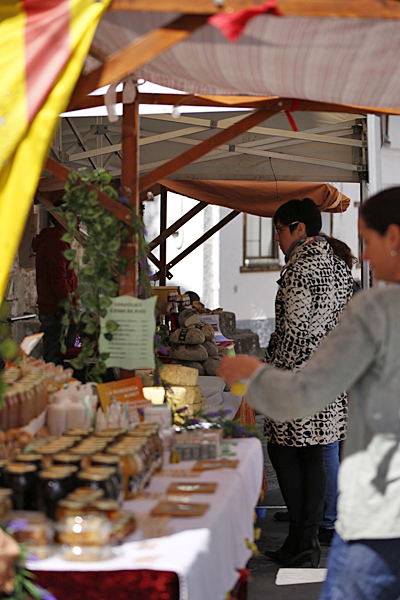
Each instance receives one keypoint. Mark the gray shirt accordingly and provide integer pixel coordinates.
(362, 355)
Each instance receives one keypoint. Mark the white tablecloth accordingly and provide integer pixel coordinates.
(205, 552)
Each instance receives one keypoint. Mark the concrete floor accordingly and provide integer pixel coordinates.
(263, 571)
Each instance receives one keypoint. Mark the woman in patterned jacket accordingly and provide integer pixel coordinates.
(314, 287)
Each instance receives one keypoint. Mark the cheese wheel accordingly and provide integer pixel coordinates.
(176, 396)
(179, 375)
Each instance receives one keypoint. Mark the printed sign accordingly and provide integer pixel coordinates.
(132, 344)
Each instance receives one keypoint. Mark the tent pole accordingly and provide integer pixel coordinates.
(129, 185)
(365, 279)
(129, 188)
(163, 227)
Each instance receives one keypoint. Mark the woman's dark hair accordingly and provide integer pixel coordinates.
(305, 211)
(381, 210)
(341, 250)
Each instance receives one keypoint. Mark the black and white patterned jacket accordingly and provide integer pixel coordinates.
(314, 287)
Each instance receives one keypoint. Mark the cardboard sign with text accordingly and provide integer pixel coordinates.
(126, 390)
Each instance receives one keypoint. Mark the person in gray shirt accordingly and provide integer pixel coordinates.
(362, 355)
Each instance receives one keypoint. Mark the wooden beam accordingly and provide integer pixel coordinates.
(166, 233)
(368, 9)
(203, 238)
(135, 55)
(177, 163)
(240, 102)
(129, 179)
(105, 201)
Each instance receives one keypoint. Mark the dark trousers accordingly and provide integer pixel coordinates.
(302, 480)
(51, 326)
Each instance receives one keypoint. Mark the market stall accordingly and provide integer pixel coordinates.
(149, 40)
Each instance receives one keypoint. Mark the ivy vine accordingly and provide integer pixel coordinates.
(102, 263)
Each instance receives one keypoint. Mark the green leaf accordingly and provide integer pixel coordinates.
(8, 349)
(90, 328)
(111, 326)
(69, 238)
(73, 178)
(66, 304)
(105, 178)
(90, 269)
(104, 355)
(104, 302)
(63, 348)
(108, 336)
(77, 363)
(69, 254)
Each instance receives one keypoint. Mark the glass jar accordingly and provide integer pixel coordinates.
(21, 478)
(132, 471)
(108, 460)
(111, 473)
(98, 481)
(71, 508)
(3, 479)
(53, 486)
(71, 471)
(33, 458)
(67, 459)
(108, 508)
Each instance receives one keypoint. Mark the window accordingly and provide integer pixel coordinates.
(260, 250)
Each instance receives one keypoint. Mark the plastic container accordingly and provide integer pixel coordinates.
(75, 414)
(57, 417)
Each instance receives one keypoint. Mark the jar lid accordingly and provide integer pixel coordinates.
(3, 463)
(63, 468)
(28, 457)
(107, 459)
(106, 505)
(51, 474)
(73, 504)
(49, 450)
(66, 458)
(102, 470)
(86, 493)
(20, 468)
(90, 476)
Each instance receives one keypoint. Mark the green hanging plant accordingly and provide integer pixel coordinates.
(102, 263)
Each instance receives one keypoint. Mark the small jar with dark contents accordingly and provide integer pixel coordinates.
(72, 471)
(111, 472)
(98, 481)
(53, 486)
(66, 458)
(33, 458)
(21, 478)
(3, 465)
(108, 460)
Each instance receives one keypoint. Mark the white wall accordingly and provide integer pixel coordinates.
(248, 295)
(390, 155)
(188, 273)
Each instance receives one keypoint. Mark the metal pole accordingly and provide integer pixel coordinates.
(163, 227)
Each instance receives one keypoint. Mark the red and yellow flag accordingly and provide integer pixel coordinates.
(43, 44)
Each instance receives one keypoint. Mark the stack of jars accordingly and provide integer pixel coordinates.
(114, 463)
(27, 392)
